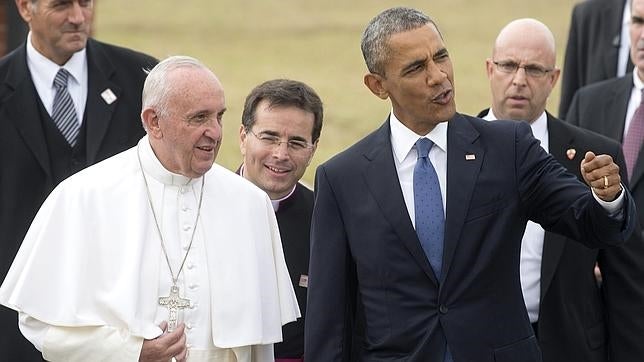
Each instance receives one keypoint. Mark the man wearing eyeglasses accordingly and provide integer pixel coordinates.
(573, 317)
(281, 125)
(613, 109)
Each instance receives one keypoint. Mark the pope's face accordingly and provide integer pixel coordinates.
(189, 135)
(59, 28)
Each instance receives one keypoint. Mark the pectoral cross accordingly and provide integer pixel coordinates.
(174, 302)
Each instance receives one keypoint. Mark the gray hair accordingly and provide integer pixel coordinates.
(389, 22)
(156, 88)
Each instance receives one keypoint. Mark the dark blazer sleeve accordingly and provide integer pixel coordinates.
(332, 280)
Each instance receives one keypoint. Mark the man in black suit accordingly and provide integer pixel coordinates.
(573, 318)
(104, 83)
(434, 285)
(609, 107)
(597, 47)
(281, 126)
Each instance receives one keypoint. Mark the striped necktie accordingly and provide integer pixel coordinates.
(64, 113)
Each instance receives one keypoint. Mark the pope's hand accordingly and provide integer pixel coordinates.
(166, 346)
(602, 174)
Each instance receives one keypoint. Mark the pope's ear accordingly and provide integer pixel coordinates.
(375, 84)
(150, 120)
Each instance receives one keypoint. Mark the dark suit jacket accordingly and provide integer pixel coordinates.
(363, 242)
(578, 321)
(601, 107)
(593, 46)
(26, 166)
(294, 220)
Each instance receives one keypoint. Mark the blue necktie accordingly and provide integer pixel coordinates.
(430, 220)
(63, 112)
(428, 205)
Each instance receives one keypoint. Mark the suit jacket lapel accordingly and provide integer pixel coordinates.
(21, 103)
(98, 110)
(462, 173)
(560, 141)
(615, 109)
(382, 179)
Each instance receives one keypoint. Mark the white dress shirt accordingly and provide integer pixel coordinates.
(43, 71)
(403, 144)
(624, 40)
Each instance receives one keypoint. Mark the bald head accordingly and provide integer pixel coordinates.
(527, 34)
(522, 70)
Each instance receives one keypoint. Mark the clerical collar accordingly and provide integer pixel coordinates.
(275, 203)
(153, 167)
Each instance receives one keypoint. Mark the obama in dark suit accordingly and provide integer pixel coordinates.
(397, 281)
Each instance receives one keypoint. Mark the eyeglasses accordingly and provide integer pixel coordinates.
(271, 141)
(533, 71)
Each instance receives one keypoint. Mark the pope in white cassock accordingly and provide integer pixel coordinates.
(157, 252)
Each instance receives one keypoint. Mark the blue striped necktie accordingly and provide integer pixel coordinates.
(63, 112)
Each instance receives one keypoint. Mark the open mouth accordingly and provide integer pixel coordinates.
(277, 170)
(206, 148)
(443, 97)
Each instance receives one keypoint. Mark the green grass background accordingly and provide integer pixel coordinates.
(246, 42)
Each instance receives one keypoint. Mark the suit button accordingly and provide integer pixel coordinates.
(443, 309)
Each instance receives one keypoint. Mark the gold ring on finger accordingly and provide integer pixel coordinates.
(605, 182)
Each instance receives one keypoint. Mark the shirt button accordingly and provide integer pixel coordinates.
(443, 309)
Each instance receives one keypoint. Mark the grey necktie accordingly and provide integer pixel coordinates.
(633, 139)
(63, 112)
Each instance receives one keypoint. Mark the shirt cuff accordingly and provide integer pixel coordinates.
(613, 208)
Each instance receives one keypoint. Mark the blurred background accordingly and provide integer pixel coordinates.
(246, 42)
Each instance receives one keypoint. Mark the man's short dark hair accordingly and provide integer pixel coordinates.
(284, 93)
(375, 49)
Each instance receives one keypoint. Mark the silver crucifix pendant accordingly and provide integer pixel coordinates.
(174, 302)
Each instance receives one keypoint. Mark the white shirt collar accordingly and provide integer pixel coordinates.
(637, 82)
(539, 127)
(275, 203)
(44, 69)
(153, 167)
(403, 139)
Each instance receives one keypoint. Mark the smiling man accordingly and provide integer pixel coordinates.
(281, 125)
(417, 228)
(157, 252)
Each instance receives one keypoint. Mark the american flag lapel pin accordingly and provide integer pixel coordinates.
(470, 157)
